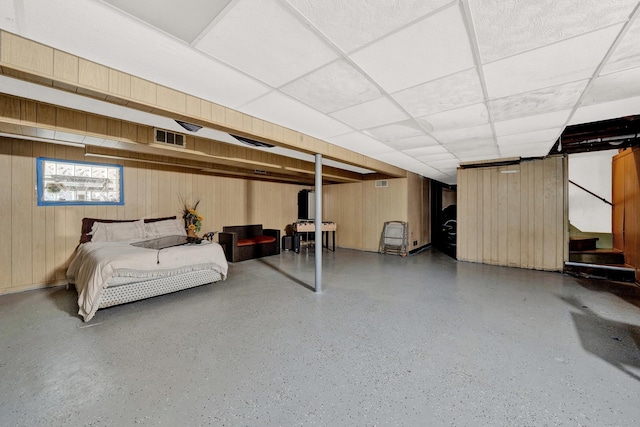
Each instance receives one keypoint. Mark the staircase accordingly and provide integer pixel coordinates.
(587, 261)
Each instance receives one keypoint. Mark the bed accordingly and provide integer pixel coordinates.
(112, 266)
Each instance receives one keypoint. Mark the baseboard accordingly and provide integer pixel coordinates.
(24, 288)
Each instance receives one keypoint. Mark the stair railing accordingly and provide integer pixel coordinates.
(592, 193)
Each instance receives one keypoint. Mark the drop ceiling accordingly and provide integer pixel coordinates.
(419, 84)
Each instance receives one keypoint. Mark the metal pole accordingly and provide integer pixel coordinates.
(318, 223)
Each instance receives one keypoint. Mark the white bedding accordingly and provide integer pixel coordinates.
(96, 263)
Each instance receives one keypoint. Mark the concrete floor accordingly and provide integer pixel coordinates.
(417, 341)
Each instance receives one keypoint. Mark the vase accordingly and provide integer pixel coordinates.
(191, 233)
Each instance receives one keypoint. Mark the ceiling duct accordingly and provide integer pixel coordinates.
(252, 142)
(189, 126)
(169, 138)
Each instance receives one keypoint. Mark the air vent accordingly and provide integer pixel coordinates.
(252, 142)
(169, 138)
(382, 183)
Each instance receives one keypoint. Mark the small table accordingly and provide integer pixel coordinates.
(307, 227)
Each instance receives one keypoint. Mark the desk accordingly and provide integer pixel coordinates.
(307, 227)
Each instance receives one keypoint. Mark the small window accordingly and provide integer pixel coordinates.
(67, 182)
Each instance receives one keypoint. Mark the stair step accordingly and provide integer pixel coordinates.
(582, 243)
(617, 272)
(597, 256)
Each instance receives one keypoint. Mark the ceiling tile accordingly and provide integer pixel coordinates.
(394, 158)
(265, 41)
(83, 32)
(333, 87)
(606, 110)
(547, 136)
(472, 145)
(431, 150)
(470, 133)
(443, 94)
(436, 157)
(354, 23)
(471, 115)
(532, 123)
(377, 112)
(432, 48)
(184, 19)
(626, 55)
(538, 101)
(360, 143)
(412, 142)
(287, 112)
(615, 86)
(508, 27)
(395, 131)
(526, 150)
(566, 61)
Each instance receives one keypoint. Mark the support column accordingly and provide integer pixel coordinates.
(318, 223)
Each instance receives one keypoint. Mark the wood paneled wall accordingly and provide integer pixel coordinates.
(38, 241)
(514, 215)
(626, 206)
(360, 211)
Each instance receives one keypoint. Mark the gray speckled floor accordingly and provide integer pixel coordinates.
(417, 341)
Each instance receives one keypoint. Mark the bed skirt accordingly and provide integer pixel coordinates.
(116, 294)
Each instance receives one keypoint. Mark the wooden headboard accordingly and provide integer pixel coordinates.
(87, 224)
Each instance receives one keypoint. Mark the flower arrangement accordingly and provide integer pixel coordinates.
(192, 219)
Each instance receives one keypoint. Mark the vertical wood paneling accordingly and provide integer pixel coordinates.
(6, 176)
(462, 212)
(515, 219)
(503, 216)
(22, 184)
(39, 241)
(487, 217)
(39, 227)
(618, 202)
(631, 210)
(472, 204)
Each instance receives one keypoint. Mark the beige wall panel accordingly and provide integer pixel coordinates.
(26, 54)
(381, 205)
(550, 183)
(39, 226)
(6, 226)
(143, 91)
(502, 211)
(520, 217)
(462, 214)
(93, 75)
(46, 115)
(71, 120)
(171, 100)
(22, 204)
(65, 66)
(472, 208)
(344, 204)
(120, 83)
(514, 221)
(487, 216)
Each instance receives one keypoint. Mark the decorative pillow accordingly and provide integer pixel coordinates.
(169, 227)
(118, 231)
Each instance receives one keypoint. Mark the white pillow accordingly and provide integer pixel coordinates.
(167, 227)
(98, 232)
(118, 231)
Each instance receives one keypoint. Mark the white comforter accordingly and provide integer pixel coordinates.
(95, 263)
